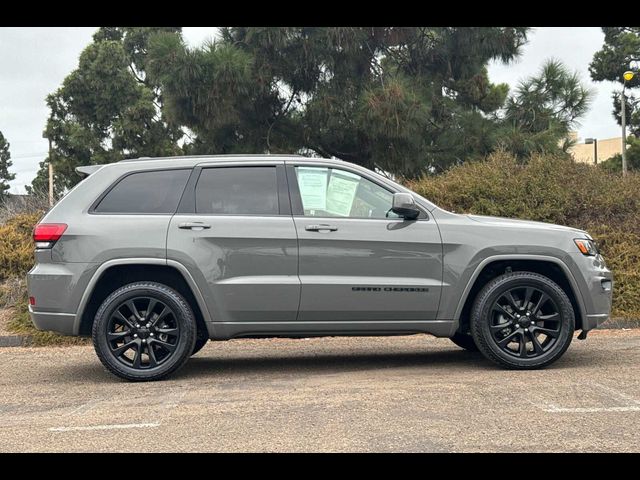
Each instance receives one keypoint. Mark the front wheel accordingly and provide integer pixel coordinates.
(522, 320)
(144, 331)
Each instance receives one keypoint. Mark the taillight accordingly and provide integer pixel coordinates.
(47, 234)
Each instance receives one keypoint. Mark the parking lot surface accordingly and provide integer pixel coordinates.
(411, 393)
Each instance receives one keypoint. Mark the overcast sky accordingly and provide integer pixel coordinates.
(34, 61)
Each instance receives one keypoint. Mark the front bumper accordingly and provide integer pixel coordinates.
(54, 322)
(593, 321)
(596, 286)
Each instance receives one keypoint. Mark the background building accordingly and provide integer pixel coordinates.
(607, 147)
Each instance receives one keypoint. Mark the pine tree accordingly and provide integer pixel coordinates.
(5, 164)
(107, 109)
(620, 52)
(407, 100)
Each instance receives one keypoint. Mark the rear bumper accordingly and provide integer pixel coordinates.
(54, 322)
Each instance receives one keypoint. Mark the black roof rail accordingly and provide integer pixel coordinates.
(233, 155)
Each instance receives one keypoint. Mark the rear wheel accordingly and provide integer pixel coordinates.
(522, 320)
(144, 331)
(464, 340)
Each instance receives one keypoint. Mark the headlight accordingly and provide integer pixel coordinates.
(586, 247)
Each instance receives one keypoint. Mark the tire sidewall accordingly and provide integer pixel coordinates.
(484, 304)
(184, 317)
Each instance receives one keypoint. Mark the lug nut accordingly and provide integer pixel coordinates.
(148, 325)
(135, 335)
(144, 340)
(151, 334)
(517, 325)
(137, 325)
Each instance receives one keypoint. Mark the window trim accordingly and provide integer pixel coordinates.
(116, 182)
(187, 205)
(296, 199)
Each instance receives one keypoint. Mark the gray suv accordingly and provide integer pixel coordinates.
(154, 257)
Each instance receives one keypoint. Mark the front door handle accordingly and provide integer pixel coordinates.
(319, 228)
(194, 226)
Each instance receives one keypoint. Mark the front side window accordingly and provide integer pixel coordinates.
(330, 192)
(146, 192)
(238, 191)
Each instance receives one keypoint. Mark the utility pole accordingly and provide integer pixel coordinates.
(624, 134)
(50, 174)
(627, 76)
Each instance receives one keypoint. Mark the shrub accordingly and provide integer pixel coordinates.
(554, 189)
(16, 245)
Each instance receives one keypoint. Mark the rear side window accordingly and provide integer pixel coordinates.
(146, 192)
(238, 191)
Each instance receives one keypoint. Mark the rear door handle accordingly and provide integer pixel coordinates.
(193, 226)
(318, 228)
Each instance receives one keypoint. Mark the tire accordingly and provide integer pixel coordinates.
(529, 330)
(201, 340)
(122, 339)
(464, 340)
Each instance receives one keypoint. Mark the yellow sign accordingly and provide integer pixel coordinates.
(628, 75)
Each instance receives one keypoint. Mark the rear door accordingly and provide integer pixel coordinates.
(235, 234)
(358, 260)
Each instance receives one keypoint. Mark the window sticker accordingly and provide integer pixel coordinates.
(313, 187)
(341, 192)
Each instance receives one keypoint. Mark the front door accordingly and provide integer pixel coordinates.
(359, 261)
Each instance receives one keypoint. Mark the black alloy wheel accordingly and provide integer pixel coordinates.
(144, 331)
(522, 320)
(525, 322)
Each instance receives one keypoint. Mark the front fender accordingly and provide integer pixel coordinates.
(453, 308)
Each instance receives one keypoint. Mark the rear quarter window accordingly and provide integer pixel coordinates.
(156, 191)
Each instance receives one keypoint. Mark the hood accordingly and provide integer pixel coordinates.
(513, 223)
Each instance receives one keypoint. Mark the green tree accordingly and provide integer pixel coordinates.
(406, 100)
(107, 109)
(543, 110)
(5, 164)
(620, 52)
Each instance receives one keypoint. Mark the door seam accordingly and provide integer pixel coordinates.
(295, 228)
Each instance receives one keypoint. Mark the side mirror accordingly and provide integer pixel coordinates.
(405, 206)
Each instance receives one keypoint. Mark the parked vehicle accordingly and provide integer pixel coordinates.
(154, 257)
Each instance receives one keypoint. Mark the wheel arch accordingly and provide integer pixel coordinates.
(493, 266)
(115, 273)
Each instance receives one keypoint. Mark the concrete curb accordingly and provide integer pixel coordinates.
(619, 323)
(14, 340)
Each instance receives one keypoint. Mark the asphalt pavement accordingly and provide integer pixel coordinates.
(398, 394)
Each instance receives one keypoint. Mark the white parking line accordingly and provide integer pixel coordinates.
(554, 409)
(612, 391)
(104, 427)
